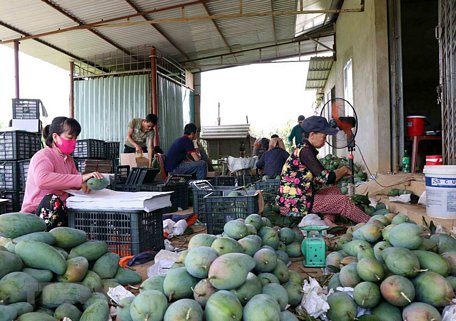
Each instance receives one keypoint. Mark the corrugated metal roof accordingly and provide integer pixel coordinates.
(201, 35)
(318, 73)
(225, 131)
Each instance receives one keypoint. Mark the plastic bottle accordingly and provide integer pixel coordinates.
(406, 163)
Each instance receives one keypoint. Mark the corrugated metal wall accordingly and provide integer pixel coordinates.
(104, 106)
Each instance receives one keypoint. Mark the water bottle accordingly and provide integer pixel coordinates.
(406, 163)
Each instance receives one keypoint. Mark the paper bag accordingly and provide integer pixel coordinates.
(133, 160)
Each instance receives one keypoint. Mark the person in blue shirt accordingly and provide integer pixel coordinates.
(271, 162)
(183, 157)
(296, 132)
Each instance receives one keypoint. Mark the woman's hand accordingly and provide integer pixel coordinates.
(86, 177)
(341, 172)
(139, 149)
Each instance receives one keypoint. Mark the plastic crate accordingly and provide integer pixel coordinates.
(80, 164)
(15, 203)
(23, 167)
(270, 189)
(112, 150)
(26, 108)
(240, 180)
(221, 209)
(179, 197)
(18, 144)
(141, 176)
(127, 233)
(89, 148)
(9, 176)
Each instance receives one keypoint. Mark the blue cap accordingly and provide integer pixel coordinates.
(318, 124)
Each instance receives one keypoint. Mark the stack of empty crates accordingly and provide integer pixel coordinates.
(16, 149)
(96, 155)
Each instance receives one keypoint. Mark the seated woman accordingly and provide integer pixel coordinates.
(271, 162)
(52, 170)
(303, 177)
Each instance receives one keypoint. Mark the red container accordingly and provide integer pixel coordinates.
(434, 160)
(415, 125)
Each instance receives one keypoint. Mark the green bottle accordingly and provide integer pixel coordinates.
(406, 163)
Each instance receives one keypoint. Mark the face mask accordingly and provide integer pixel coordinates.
(67, 146)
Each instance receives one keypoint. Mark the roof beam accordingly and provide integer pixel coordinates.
(80, 22)
(274, 27)
(69, 54)
(157, 28)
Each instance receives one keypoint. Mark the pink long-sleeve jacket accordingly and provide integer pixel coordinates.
(49, 173)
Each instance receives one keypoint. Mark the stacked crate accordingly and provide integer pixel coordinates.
(90, 156)
(16, 149)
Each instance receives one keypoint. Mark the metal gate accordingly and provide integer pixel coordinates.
(446, 34)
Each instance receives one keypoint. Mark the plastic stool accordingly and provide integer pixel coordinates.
(313, 246)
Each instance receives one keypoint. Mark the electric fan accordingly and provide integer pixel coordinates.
(341, 115)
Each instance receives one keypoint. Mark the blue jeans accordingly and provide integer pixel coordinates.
(198, 167)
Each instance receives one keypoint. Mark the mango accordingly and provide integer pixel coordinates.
(96, 312)
(446, 243)
(397, 290)
(401, 261)
(341, 307)
(106, 266)
(153, 283)
(97, 184)
(39, 275)
(295, 293)
(348, 275)
(33, 252)
(36, 316)
(184, 309)
(287, 316)
(251, 287)
(387, 312)
(265, 260)
(267, 278)
(108, 283)
(255, 220)
(18, 287)
(91, 250)
(434, 289)
(229, 271)
(95, 297)
(433, 262)
(201, 239)
(178, 284)
(400, 218)
(369, 269)
(367, 294)
(353, 247)
(281, 271)
(251, 230)
(22, 307)
(9, 262)
(379, 248)
(266, 221)
(429, 245)
(369, 232)
(334, 282)
(68, 237)
(127, 276)
(282, 256)
(278, 293)
(55, 294)
(198, 261)
(223, 306)
(235, 229)
(224, 245)
(67, 310)
(13, 225)
(148, 305)
(294, 249)
(7, 313)
(407, 235)
(262, 307)
(123, 309)
(77, 268)
(92, 281)
(418, 311)
(203, 290)
(44, 237)
(287, 235)
(450, 257)
(386, 231)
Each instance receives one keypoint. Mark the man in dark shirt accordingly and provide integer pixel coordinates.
(271, 162)
(178, 160)
(296, 132)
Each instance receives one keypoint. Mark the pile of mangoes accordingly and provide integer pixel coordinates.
(397, 268)
(46, 276)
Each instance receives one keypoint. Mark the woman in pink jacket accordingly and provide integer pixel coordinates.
(52, 171)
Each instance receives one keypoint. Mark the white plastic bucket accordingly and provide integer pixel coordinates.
(441, 191)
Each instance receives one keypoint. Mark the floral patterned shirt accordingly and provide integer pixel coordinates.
(302, 175)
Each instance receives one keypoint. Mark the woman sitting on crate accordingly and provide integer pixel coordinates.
(303, 177)
(271, 162)
(52, 170)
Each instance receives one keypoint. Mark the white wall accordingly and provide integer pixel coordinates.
(363, 37)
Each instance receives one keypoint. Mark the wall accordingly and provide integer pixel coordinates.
(363, 37)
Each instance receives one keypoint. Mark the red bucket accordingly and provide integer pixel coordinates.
(434, 160)
(415, 125)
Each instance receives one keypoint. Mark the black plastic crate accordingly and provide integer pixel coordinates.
(221, 209)
(179, 197)
(126, 232)
(80, 164)
(9, 176)
(240, 180)
(202, 188)
(18, 144)
(23, 167)
(89, 148)
(15, 203)
(112, 150)
(270, 188)
(141, 176)
(26, 108)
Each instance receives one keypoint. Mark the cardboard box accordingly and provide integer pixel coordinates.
(133, 160)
